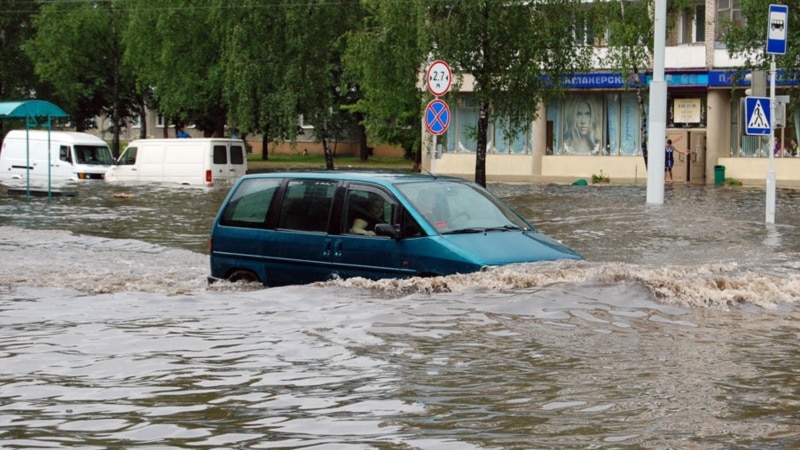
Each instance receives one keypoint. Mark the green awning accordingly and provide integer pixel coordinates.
(30, 109)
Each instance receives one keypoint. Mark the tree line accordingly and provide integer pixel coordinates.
(345, 66)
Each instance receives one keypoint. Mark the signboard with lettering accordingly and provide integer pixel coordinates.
(687, 110)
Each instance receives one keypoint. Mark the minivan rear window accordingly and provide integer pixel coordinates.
(249, 204)
(220, 154)
(237, 154)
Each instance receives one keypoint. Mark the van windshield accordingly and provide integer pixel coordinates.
(93, 154)
(460, 207)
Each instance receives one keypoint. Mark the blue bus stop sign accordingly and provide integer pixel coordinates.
(437, 117)
(777, 29)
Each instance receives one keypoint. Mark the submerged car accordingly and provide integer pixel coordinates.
(297, 228)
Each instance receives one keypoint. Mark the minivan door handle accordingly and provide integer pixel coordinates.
(326, 251)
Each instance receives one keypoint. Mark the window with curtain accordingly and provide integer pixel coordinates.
(463, 136)
(692, 24)
(518, 144)
(727, 10)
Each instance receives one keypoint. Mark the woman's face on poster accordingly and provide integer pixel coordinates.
(583, 118)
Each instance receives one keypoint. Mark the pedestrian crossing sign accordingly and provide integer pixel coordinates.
(757, 116)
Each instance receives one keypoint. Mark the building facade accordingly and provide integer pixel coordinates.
(597, 127)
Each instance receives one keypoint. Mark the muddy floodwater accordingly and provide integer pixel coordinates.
(678, 330)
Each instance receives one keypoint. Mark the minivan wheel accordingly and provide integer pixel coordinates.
(243, 275)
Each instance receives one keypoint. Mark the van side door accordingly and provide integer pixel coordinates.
(126, 168)
(301, 248)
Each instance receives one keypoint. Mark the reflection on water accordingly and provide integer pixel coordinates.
(678, 331)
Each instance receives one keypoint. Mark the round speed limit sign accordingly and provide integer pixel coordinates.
(439, 78)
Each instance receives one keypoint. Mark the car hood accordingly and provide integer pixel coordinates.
(508, 247)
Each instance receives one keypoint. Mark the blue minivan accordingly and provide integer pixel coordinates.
(296, 228)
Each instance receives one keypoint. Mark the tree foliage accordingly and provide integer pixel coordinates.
(78, 49)
(175, 49)
(748, 40)
(253, 74)
(384, 56)
(17, 78)
(517, 52)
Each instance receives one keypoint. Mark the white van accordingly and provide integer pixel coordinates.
(207, 161)
(73, 156)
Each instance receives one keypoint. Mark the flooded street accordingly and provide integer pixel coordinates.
(678, 330)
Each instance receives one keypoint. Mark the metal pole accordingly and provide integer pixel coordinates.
(49, 165)
(27, 160)
(433, 156)
(770, 216)
(657, 126)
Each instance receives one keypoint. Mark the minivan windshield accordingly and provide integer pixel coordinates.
(461, 207)
(93, 154)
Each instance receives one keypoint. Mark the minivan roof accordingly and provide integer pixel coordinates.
(384, 178)
(181, 141)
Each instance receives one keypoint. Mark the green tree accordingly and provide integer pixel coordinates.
(77, 47)
(517, 52)
(174, 48)
(384, 56)
(17, 79)
(629, 48)
(253, 55)
(748, 39)
(314, 79)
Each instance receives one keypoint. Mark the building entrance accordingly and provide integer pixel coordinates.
(689, 169)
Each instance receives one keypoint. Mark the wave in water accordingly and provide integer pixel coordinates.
(47, 258)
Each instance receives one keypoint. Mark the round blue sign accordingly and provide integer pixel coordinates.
(437, 117)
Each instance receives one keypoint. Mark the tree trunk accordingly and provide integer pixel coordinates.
(264, 147)
(328, 153)
(143, 117)
(643, 130)
(364, 149)
(480, 157)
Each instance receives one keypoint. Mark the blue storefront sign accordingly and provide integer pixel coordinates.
(617, 81)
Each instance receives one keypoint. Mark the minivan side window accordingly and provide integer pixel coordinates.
(237, 154)
(129, 157)
(220, 154)
(363, 210)
(307, 205)
(249, 204)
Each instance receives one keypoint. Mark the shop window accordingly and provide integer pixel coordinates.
(462, 135)
(517, 144)
(594, 124)
(583, 125)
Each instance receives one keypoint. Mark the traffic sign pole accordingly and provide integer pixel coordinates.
(777, 22)
(433, 155)
(439, 78)
(771, 180)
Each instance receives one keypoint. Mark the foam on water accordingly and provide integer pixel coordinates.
(99, 265)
